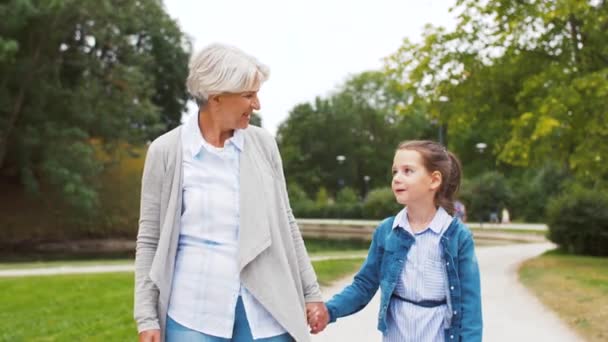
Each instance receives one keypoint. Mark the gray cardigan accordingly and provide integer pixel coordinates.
(273, 262)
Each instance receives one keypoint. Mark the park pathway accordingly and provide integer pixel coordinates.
(510, 311)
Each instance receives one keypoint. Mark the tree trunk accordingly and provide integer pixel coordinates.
(16, 110)
(12, 119)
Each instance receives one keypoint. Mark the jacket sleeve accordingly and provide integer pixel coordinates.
(146, 293)
(360, 292)
(468, 271)
(310, 285)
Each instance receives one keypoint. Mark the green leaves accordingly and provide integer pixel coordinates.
(75, 71)
(528, 76)
(359, 122)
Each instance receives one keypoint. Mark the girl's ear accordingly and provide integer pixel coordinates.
(436, 180)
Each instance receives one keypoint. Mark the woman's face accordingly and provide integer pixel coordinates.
(236, 108)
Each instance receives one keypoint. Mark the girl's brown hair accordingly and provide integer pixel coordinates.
(436, 157)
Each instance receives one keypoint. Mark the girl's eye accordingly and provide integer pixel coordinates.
(393, 172)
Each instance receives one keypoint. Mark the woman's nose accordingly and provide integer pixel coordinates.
(255, 103)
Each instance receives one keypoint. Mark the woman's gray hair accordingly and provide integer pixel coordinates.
(220, 68)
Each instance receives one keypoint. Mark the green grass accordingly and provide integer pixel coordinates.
(91, 307)
(67, 308)
(324, 246)
(511, 231)
(575, 287)
(44, 264)
(329, 271)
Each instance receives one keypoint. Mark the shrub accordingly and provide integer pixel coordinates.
(380, 203)
(347, 196)
(578, 221)
(484, 194)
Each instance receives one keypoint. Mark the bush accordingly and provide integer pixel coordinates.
(539, 185)
(347, 196)
(380, 203)
(578, 221)
(484, 194)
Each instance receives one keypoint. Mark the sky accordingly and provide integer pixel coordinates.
(311, 46)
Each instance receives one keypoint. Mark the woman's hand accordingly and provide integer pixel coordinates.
(149, 336)
(317, 316)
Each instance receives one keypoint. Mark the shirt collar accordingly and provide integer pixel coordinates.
(193, 140)
(440, 221)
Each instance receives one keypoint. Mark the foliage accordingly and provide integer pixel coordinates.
(578, 221)
(360, 122)
(380, 203)
(78, 70)
(527, 77)
(485, 194)
(532, 190)
(347, 196)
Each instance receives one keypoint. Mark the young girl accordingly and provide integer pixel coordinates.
(422, 259)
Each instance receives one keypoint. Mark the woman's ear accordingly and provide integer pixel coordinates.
(214, 99)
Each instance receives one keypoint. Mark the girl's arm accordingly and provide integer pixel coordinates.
(468, 272)
(357, 295)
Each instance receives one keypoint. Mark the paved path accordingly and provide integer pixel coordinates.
(127, 267)
(511, 312)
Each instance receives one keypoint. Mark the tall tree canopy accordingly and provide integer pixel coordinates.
(74, 72)
(530, 77)
(359, 122)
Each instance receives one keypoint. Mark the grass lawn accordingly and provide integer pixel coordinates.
(510, 231)
(575, 287)
(57, 263)
(93, 307)
(315, 247)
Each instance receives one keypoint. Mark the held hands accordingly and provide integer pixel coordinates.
(317, 316)
(149, 336)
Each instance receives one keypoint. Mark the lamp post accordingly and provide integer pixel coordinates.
(366, 179)
(340, 158)
(481, 147)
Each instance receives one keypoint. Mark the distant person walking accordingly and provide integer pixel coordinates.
(460, 211)
(505, 218)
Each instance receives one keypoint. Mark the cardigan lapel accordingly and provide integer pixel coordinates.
(254, 230)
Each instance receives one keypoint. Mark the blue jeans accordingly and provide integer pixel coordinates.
(241, 332)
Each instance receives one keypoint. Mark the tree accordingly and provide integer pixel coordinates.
(78, 71)
(528, 76)
(256, 119)
(359, 122)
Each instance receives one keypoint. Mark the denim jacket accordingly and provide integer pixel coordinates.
(383, 267)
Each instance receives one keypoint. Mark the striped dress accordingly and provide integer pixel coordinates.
(423, 278)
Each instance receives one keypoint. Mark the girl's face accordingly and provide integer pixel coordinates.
(412, 183)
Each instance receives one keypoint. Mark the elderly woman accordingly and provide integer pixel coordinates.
(219, 254)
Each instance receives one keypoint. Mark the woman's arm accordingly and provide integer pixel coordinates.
(468, 272)
(146, 292)
(312, 291)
